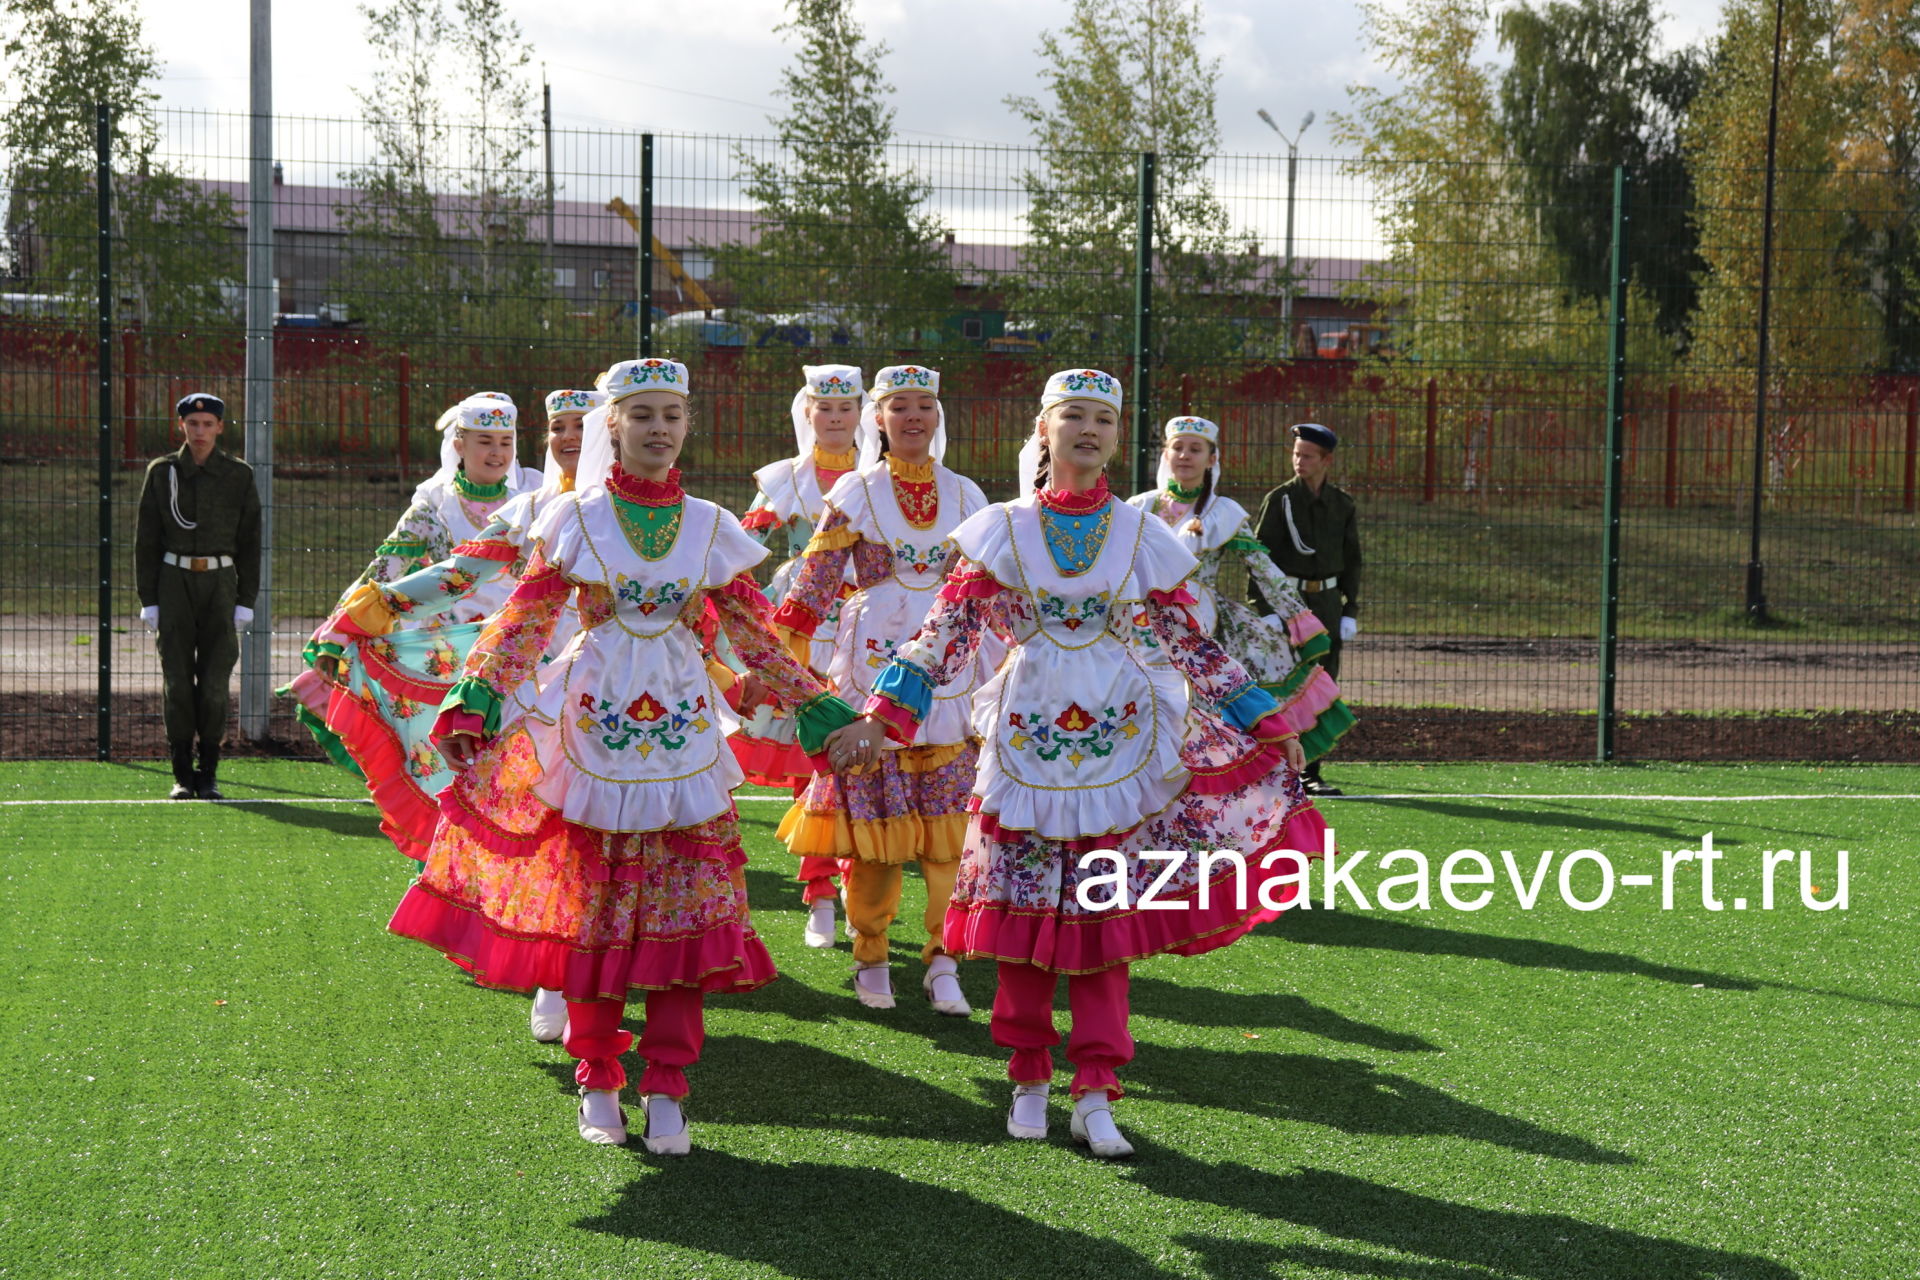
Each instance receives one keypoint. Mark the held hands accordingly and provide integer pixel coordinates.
(1349, 628)
(459, 750)
(855, 747)
(753, 694)
(150, 617)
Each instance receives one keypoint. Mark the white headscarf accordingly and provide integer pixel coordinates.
(1199, 429)
(895, 378)
(626, 378)
(824, 382)
(478, 412)
(559, 402)
(1068, 384)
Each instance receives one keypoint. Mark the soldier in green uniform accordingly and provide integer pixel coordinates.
(197, 568)
(1311, 529)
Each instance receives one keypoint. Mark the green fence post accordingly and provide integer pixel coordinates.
(1143, 442)
(1616, 418)
(643, 281)
(103, 233)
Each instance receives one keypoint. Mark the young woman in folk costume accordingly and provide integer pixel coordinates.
(792, 493)
(907, 802)
(1281, 651)
(370, 697)
(1097, 753)
(490, 562)
(589, 843)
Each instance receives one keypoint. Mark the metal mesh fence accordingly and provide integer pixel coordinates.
(1445, 321)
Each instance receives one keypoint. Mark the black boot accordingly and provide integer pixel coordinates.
(183, 780)
(1315, 786)
(203, 782)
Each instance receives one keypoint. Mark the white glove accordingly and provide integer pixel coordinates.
(242, 615)
(1271, 619)
(1349, 628)
(150, 617)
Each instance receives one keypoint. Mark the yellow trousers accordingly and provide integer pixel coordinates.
(873, 899)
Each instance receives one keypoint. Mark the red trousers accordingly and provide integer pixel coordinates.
(670, 1042)
(818, 874)
(1098, 1043)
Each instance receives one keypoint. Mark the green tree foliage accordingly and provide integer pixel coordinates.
(845, 238)
(1587, 90)
(1877, 84)
(1822, 327)
(175, 242)
(1122, 77)
(439, 227)
(1465, 280)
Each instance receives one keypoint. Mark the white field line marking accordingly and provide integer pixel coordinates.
(1622, 795)
(1410, 795)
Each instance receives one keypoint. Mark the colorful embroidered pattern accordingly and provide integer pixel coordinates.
(919, 501)
(1074, 541)
(559, 402)
(649, 600)
(1073, 612)
(1077, 733)
(651, 531)
(1092, 380)
(834, 386)
(904, 377)
(917, 560)
(643, 724)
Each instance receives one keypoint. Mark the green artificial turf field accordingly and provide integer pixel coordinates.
(217, 1063)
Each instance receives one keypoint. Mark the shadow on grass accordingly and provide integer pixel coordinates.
(1539, 1246)
(793, 996)
(1576, 823)
(785, 1084)
(829, 1222)
(1202, 1007)
(1364, 929)
(359, 821)
(1341, 1093)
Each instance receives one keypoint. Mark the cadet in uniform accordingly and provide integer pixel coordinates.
(197, 568)
(1311, 529)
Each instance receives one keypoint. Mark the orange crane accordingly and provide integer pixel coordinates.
(688, 286)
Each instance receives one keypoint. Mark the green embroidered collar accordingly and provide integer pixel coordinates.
(477, 492)
(650, 530)
(1182, 495)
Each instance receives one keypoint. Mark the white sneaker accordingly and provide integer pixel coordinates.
(666, 1126)
(549, 1018)
(601, 1119)
(1093, 1128)
(874, 985)
(941, 982)
(1027, 1117)
(819, 932)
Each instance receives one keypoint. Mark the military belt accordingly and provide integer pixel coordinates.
(198, 564)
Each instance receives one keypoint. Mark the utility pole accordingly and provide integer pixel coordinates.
(1293, 164)
(256, 644)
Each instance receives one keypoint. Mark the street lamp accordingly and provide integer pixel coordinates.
(1293, 160)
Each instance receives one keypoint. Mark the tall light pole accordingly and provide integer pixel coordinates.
(1293, 163)
(1756, 568)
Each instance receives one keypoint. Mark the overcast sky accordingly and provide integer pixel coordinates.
(711, 65)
